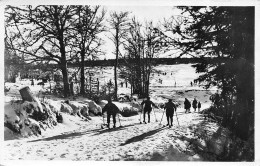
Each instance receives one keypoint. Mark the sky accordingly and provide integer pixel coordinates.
(142, 14)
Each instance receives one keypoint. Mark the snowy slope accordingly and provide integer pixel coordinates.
(133, 141)
(76, 139)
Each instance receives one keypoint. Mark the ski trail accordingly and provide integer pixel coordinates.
(132, 141)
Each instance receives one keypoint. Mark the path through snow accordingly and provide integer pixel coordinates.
(132, 141)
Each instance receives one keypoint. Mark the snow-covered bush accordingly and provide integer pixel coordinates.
(127, 112)
(82, 110)
(93, 107)
(28, 118)
(66, 108)
(128, 109)
(55, 106)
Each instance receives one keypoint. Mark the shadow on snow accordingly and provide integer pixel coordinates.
(77, 134)
(142, 136)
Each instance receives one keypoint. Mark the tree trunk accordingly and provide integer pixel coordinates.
(71, 88)
(27, 94)
(82, 74)
(116, 63)
(148, 82)
(65, 79)
(63, 66)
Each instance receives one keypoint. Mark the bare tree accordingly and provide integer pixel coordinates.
(143, 43)
(118, 23)
(88, 26)
(42, 34)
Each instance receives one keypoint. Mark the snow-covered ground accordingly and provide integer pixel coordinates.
(132, 141)
(77, 139)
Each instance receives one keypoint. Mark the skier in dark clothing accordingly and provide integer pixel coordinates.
(111, 109)
(187, 105)
(148, 108)
(194, 104)
(199, 106)
(170, 108)
(32, 82)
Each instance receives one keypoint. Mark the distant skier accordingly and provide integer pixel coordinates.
(199, 106)
(111, 109)
(194, 104)
(190, 83)
(187, 105)
(147, 108)
(121, 84)
(170, 108)
(32, 82)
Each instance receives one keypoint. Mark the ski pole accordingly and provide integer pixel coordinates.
(155, 115)
(119, 120)
(162, 117)
(177, 117)
(103, 122)
(141, 115)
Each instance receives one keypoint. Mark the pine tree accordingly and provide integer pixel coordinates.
(222, 32)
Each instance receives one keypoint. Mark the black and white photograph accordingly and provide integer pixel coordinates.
(129, 82)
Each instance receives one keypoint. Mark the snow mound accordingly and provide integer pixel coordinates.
(93, 107)
(27, 118)
(66, 108)
(82, 110)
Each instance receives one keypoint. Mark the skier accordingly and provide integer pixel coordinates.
(199, 106)
(148, 108)
(194, 104)
(187, 105)
(32, 82)
(170, 108)
(111, 109)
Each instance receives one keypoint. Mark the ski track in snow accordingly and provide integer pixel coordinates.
(132, 141)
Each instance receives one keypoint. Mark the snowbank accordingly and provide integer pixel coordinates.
(93, 107)
(28, 118)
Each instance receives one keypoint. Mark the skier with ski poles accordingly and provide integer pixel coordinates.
(147, 108)
(111, 110)
(170, 108)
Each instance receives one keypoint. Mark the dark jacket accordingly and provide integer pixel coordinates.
(187, 104)
(194, 104)
(110, 108)
(199, 105)
(148, 104)
(170, 107)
